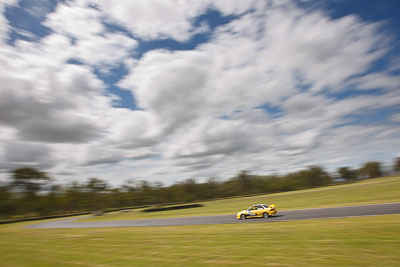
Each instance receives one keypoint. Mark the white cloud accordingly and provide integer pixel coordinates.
(243, 133)
(325, 51)
(89, 41)
(132, 129)
(4, 25)
(155, 19)
(200, 111)
(237, 7)
(53, 108)
(19, 152)
(165, 84)
(395, 117)
(251, 61)
(75, 19)
(378, 81)
(108, 49)
(158, 19)
(39, 8)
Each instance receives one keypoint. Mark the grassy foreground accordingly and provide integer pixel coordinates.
(372, 191)
(373, 241)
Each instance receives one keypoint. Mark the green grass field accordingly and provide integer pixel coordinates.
(372, 191)
(360, 241)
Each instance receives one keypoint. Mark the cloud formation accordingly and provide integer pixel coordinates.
(275, 88)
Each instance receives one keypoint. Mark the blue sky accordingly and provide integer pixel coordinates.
(169, 90)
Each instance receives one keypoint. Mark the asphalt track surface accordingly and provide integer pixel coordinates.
(290, 215)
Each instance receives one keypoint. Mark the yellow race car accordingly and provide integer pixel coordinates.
(257, 211)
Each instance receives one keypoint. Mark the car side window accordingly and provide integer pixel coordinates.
(260, 207)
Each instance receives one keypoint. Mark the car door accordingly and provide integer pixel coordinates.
(253, 211)
(260, 211)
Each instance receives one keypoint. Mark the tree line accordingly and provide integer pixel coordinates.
(32, 193)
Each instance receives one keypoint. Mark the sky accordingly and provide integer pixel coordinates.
(166, 90)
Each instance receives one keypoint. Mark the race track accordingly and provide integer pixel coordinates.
(303, 214)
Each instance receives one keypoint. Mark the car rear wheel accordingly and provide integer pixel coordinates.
(265, 215)
(242, 217)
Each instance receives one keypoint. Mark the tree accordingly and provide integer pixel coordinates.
(96, 194)
(28, 180)
(5, 204)
(244, 179)
(190, 189)
(4, 194)
(371, 169)
(74, 197)
(397, 164)
(96, 185)
(128, 186)
(347, 173)
(315, 176)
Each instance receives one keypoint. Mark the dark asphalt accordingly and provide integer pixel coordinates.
(304, 214)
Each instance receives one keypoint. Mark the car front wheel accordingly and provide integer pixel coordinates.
(265, 215)
(242, 217)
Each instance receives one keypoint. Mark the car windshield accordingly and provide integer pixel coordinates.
(265, 206)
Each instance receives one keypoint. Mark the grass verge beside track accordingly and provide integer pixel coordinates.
(330, 242)
(373, 191)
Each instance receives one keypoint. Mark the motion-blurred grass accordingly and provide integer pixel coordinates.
(371, 191)
(372, 241)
